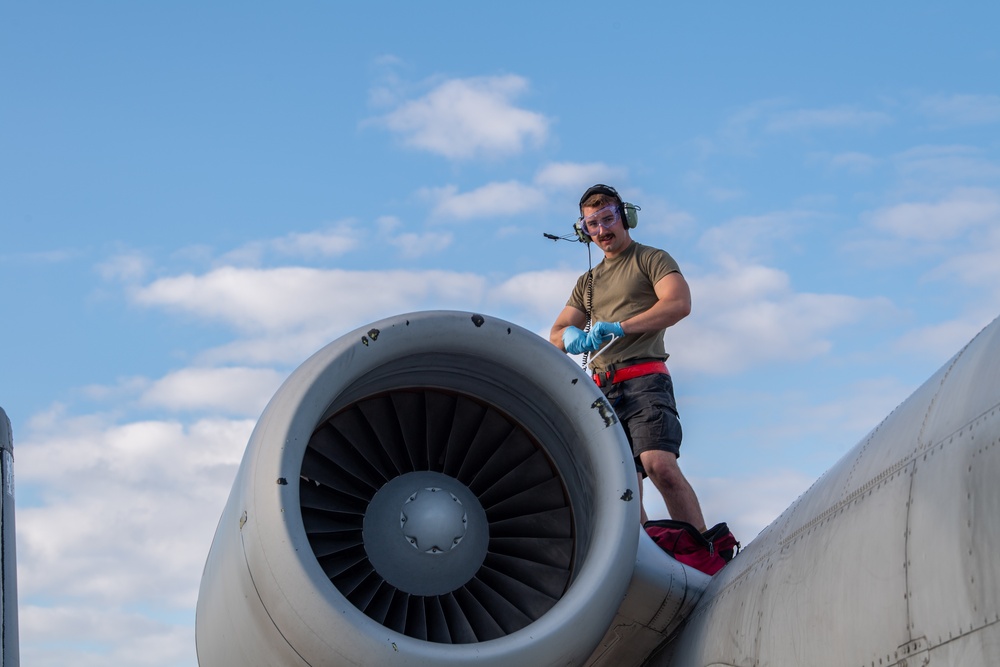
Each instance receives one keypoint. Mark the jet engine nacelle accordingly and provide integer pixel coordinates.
(438, 488)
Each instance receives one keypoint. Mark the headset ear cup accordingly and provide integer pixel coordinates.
(631, 215)
(581, 236)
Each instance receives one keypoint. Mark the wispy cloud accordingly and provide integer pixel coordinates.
(500, 199)
(467, 118)
(577, 175)
(961, 109)
(409, 243)
(763, 121)
(489, 201)
(232, 391)
(754, 237)
(113, 636)
(942, 339)
(849, 161)
(798, 120)
(934, 169)
(976, 265)
(289, 298)
(121, 515)
(947, 218)
(334, 240)
(540, 294)
(748, 315)
(129, 266)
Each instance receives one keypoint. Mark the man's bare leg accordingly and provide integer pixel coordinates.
(680, 498)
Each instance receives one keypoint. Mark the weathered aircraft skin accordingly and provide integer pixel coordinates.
(9, 640)
(891, 558)
(445, 488)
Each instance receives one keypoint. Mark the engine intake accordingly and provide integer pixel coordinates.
(437, 488)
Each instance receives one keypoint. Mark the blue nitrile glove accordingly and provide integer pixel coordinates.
(599, 331)
(576, 341)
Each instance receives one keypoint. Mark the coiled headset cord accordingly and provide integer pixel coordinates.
(590, 300)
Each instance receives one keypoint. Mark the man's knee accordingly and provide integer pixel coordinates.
(661, 467)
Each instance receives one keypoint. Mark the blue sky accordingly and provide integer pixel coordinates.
(194, 197)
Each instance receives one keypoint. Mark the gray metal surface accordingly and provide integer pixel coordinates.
(473, 407)
(890, 558)
(444, 531)
(661, 595)
(373, 475)
(9, 645)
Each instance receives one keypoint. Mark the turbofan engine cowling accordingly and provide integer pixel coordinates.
(438, 488)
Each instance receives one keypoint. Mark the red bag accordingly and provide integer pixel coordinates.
(708, 551)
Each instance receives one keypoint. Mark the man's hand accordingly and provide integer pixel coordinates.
(576, 341)
(602, 330)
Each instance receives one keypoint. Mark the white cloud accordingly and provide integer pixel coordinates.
(748, 315)
(741, 132)
(83, 636)
(122, 513)
(466, 118)
(507, 198)
(977, 266)
(338, 239)
(963, 109)
(931, 169)
(116, 527)
(540, 294)
(234, 391)
(943, 339)
(963, 209)
(529, 299)
(127, 267)
(287, 348)
(290, 299)
(753, 237)
(660, 217)
(489, 201)
(412, 245)
(577, 176)
(124, 388)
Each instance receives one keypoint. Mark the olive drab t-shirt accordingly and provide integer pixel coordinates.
(622, 288)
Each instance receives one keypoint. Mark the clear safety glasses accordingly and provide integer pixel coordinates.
(604, 218)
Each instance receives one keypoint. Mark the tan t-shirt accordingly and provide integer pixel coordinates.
(622, 288)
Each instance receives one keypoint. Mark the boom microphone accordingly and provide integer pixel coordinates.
(576, 236)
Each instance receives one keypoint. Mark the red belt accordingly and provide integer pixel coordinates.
(628, 372)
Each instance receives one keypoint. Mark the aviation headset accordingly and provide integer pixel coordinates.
(628, 212)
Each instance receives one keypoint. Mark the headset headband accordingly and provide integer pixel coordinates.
(600, 189)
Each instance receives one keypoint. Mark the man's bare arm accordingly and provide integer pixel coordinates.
(569, 316)
(673, 305)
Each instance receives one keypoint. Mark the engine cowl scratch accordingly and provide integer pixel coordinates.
(606, 411)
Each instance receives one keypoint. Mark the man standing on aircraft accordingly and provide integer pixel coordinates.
(629, 299)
